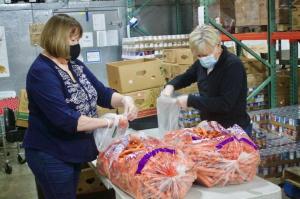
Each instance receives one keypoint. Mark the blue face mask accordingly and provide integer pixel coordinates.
(208, 62)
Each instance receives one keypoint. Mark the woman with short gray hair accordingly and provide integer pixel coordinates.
(221, 80)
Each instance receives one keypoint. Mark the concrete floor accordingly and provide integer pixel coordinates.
(20, 184)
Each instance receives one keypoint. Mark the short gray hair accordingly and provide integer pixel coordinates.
(204, 38)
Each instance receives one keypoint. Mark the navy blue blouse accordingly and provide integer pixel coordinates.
(55, 105)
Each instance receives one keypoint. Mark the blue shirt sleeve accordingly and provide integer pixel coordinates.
(46, 91)
(104, 93)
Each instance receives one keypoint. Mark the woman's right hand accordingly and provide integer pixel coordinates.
(120, 121)
(168, 90)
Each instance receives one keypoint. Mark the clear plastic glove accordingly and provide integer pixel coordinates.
(117, 126)
(181, 101)
(168, 90)
(130, 110)
(116, 121)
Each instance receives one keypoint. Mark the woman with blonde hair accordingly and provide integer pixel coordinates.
(221, 80)
(63, 96)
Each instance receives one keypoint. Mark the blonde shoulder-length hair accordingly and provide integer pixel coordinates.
(56, 33)
(204, 39)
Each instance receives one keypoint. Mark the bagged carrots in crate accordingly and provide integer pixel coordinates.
(146, 168)
(221, 156)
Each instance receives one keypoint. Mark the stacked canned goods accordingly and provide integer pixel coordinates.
(189, 118)
(273, 159)
(281, 121)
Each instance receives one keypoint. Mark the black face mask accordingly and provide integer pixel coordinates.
(74, 51)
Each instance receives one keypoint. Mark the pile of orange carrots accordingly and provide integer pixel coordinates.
(221, 156)
(147, 168)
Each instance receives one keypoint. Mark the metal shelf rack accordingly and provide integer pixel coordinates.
(271, 36)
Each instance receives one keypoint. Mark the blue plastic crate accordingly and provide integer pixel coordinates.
(291, 190)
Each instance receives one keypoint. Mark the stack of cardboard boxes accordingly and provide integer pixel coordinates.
(223, 11)
(256, 74)
(283, 88)
(141, 79)
(283, 15)
(254, 13)
(176, 62)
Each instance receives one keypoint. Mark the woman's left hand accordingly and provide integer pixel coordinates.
(181, 101)
(130, 110)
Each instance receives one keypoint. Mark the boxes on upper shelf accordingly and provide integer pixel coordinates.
(223, 12)
(134, 75)
(145, 101)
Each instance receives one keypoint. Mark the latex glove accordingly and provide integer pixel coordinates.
(113, 121)
(130, 110)
(181, 101)
(168, 90)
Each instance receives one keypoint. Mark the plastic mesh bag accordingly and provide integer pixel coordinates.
(167, 114)
(221, 156)
(146, 168)
(104, 136)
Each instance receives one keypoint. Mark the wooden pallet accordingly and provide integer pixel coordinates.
(285, 27)
(244, 29)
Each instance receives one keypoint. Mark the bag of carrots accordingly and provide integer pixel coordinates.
(146, 168)
(221, 156)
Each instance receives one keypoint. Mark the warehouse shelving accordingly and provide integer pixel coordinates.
(271, 36)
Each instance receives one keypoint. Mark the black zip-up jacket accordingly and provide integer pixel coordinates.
(223, 91)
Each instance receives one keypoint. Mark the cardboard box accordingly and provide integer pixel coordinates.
(178, 69)
(283, 82)
(252, 66)
(23, 112)
(166, 71)
(145, 101)
(190, 89)
(248, 12)
(283, 17)
(178, 56)
(89, 182)
(224, 12)
(296, 18)
(101, 111)
(253, 12)
(135, 75)
(170, 71)
(254, 80)
(283, 100)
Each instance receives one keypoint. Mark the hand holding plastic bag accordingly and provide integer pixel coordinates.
(167, 114)
(104, 136)
(130, 110)
(168, 91)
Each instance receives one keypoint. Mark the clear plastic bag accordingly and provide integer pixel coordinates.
(167, 114)
(147, 168)
(221, 156)
(104, 136)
